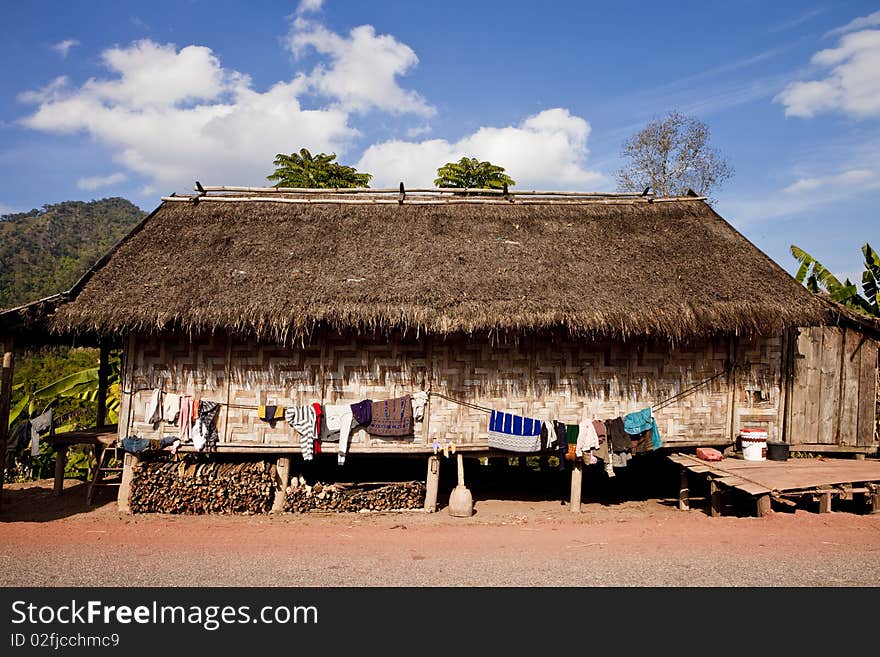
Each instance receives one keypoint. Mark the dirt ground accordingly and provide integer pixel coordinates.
(628, 537)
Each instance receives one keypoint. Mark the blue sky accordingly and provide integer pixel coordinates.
(141, 99)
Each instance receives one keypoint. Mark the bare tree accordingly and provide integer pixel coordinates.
(671, 155)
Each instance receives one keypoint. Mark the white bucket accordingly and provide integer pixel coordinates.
(754, 444)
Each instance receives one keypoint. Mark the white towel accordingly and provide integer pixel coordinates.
(154, 407)
(419, 400)
(171, 408)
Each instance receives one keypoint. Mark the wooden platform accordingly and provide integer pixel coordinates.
(820, 478)
(100, 437)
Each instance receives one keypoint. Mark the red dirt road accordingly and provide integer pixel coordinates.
(641, 543)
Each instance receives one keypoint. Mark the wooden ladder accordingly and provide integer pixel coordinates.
(102, 467)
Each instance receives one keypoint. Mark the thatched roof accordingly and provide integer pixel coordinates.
(670, 268)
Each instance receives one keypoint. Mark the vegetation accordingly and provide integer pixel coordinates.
(817, 278)
(471, 173)
(315, 171)
(65, 379)
(43, 252)
(671, 155)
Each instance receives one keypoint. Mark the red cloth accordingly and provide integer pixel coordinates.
(709, 454)
(319, 414)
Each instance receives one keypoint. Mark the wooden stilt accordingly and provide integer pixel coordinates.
(5, 399)
(60, 467)
(763, 504)
(577, 474)
(684, 492)
(825, 502)
(282, 479)
(714, 499)
(432, 484)
(874, 497)
(128, 464)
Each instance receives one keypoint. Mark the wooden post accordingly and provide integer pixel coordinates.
(5, 399)
(763, 505)
(103, 377)
(432, 484)
(60, 466)
(714, 499)
(128, 464)
(684, 492)
(577, 474)
(874, 497)
(825, 502)
(282, 479)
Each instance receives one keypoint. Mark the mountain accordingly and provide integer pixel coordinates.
(46, 251)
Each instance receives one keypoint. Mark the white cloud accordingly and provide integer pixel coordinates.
(176, 115)
(852, 85)
(63, 47)
(6, 209)
(805, 194)
(871, 20)
(363, 69)
(861, 177)
(309, 6)
(92, 183)
(548, 149)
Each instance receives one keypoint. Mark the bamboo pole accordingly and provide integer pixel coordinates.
(5, 399)
(418, 190)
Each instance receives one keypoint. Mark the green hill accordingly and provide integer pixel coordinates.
(45, 251)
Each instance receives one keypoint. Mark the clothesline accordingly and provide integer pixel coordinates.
(656, 407)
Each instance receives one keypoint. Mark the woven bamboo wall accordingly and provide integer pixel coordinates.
(552, 378)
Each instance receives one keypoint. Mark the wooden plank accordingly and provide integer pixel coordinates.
(829, 384)
(797, 414)
(684, 491)
(763, 505)
(812, 392)
(577, 473)
(833, 449)
(432, 484)
(867, 393)
(848, 422)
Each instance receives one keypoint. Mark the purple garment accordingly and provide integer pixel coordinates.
(363, 412)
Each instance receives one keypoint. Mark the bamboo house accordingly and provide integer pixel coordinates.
(553, 306)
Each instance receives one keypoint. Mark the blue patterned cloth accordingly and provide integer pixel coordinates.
(639, 422)
(514, 433)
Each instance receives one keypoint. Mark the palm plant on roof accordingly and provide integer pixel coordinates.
(305, 170)
(817, 278)
(469, 172)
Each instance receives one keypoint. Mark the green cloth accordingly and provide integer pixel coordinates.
(571, 433)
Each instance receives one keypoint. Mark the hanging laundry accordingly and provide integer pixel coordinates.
(620, 459)
(601, 433)
(561, 442)
(419, 400)
(550, 435)
(136, 445)
(362, 412)
(617, 436)
(338, 422)
(640, 421)
(39, 424)
(514, 433)
(205, 429)
(186, 416)
(270, 414)
(20, 435)
(303, 419)
(154, 407)
(587, 439)
(392, 418)
(572, 431)
(171, 408)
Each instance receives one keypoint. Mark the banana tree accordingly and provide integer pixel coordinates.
(817, 278)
